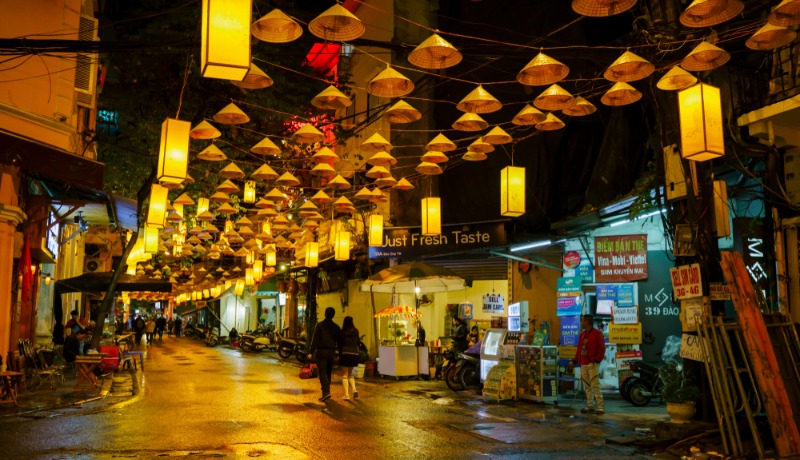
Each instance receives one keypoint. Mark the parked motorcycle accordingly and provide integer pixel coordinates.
(213, 338)
(468, 371)
(640, 390)
(252, 342)
(449, 373)
(297, 347)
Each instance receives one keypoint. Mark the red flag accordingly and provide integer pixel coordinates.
(25, 270)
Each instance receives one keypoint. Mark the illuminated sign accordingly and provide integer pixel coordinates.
(51, 236)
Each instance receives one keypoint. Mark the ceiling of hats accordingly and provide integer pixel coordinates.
(492, 113)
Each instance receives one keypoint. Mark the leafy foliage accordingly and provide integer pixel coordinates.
(678, 386)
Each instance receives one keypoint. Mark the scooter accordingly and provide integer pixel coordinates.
(449, 373)
(468, 371)
(640, 390)
(296, 347)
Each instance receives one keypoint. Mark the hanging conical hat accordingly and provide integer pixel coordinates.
(310, 223)
(204, 130)
(205, 215)
(264, 172)
(402, 112)
(323, 170)
(306, 209)
(363, 194)
(331, 98)
(189, 180)
(244, 221)
(429, 169)
(226, 208)
(529, 115)
(375, 143)
(390, 83)
(336, 24)
(601, 8)
(542, 71)
(338, 183)
(266, 147)
(264, 203)
(480, 145)
(254, 79)
(287, 180)
(386, 181)
(629, 67)
(378, 196)
(212, 153)
(403, 184)
(231, 171)
(308, 134)
(705, 57)
(551, 123)
(220, 197)
(770, 37)
(231, 115)
(184, 199)
(382, 159)
(267, 212)
(786, 14)
(325, 155)
(276, 195)
(474, 156)
(470, 122)
(708, 13)
(497, 135)
(276, 27)
(479, 101)
(435, 53)
(321, 198)
(621, 94)
(441, 143)
(342, 203)
(581, 108)
(432, 156)
(676, 79)
(554, 98)
(378, 171)
(227, 187)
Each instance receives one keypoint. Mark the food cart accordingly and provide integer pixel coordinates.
(397, 354)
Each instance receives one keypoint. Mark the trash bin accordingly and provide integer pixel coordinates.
(369, 369)
(360, 371)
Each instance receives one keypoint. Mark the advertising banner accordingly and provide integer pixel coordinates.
(692, 348)
(409, 241)
(606, 292)
(620, 258)
(686, 281)
(719, 291)
(570, 330)
(585, 271)
(625, 315)
(568, 296)
(625, 334)
(493, 303)
(625, 295)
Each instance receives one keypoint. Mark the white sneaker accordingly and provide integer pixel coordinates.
(346, 398)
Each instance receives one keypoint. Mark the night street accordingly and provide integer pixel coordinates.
(216, 402)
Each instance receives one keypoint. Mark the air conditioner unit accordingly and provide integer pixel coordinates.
(86, 65)
(95, 265)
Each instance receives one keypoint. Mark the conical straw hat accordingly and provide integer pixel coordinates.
(184, 199)
(382, 159)
(441, 143)
(189, 180)
(554, 98)
(551, 123)
(276, 196)
(470, 122)
(343, 204)
(204, 130)
(244, 221)
(226, 208)
(325, 155)
(581, 108)
(276, 27)
(336, 24)
(621, 94)
(542, 71)
(323, 170)
(786, 14)
(481, 146)
(708, 13)
(390, 83)
(231, 171)
(219, 197)
(479, 101)
(266, 147)
(474, 156)
(338, 183)
(429, 169)
(375, 143)
(205, 215)
(308, 134)
(364, 194)
(529, 115)
(307, 209)
(705, 57)
(378, 196)
(254, 79)
(770, 37)
(676, 79)
(321, 198)
(402, 112)
(212, 153)
(227, 186)
(287, 180)
(629, 67)
(497, 135)
(231, 115)
(403, 184)
(601, 8)
(264, 203)
(433, 156)
(386, 181)
(264, 172)
(435, 53)
(378, 171)
(331, 98)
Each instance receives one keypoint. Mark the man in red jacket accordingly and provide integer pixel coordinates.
(591, 350)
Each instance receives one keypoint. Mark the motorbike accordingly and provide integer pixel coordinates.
(288, 347)
(468, 371)
(449, 373)
(213, 338)
(252, 342)
(640, 390)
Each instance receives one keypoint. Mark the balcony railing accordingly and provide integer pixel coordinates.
(758, 79)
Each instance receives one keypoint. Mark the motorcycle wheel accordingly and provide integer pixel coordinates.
(470, 378)
(625, 389)
(301, 356)
(639, 394)
(212, 342)
(452, 380)
(285, 351)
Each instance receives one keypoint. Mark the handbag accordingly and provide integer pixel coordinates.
(309, 371)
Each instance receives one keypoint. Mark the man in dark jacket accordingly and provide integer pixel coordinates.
(325, 341)
(459, 336)
(590, 353)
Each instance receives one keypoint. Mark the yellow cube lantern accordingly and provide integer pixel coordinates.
(431, 216)
(341, 245)
(151, 240)
(249, 279)
(250, 191)
(700, 112)
(312, 254)
(258, 270)
(173, 154)
(376, 230)
(157, 210)
(225, 45)
(512, 191)
(271, 258)
(239, 287)
(202, 205)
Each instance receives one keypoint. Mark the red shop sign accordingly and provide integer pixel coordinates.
(620, 258)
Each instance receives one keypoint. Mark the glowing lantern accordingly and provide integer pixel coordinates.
(341, 245)
(312, 254)
(258, 270)
(512, 191)
(158, 206)
(239, 288)
(431, 216)
(248, 277)
(250, 191)
(225, 45)
(202, 205)
(173, 154)
(271, 258)
(701, 123)
(375, 230)
(249, 258)
(151, 240)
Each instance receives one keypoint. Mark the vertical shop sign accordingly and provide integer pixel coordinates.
(686, 281)
(585, 271)
(753, 241)
(570, 330)
(568, 296)
(620, 258)
(625, 295)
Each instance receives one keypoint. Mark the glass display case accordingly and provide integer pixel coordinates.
(537, 373)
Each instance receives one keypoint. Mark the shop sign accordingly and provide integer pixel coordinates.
(572, 259)
(719, 291)
(606, 292)
(570, 330)
(624, 359)
(625, 315)
(686, 281)
(625, 295)
(691, 309)
(750, 239)
(625, 334)
(692, 348)
(465, 310)
(409, 242)
(585, 271)
(620, 258)
(493, 303)
(568, 296)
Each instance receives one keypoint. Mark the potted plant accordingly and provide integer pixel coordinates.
(679, 392)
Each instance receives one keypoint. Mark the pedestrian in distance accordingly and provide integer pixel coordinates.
(590, 353)
(161, 324)
(326, 339)
(348, 356)
(170, 326)
(150, 329)
(178, 325)
(459, 336)
(139, 328)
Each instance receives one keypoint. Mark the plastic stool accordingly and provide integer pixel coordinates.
(140, 354)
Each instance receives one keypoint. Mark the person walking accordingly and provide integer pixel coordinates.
(138, 328)
(150, 328)
(348, 356)
(178, 325)
(161, 324)
(590, 353)
(170, 326)
(326, 339)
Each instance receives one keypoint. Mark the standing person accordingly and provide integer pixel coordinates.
(348, 356)
(170, 326)
(150, 328)
(459, 335)
(178, 325)
(324, 342)
(591, 351)
(420, 342)
(161, 324)
(138, 328)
